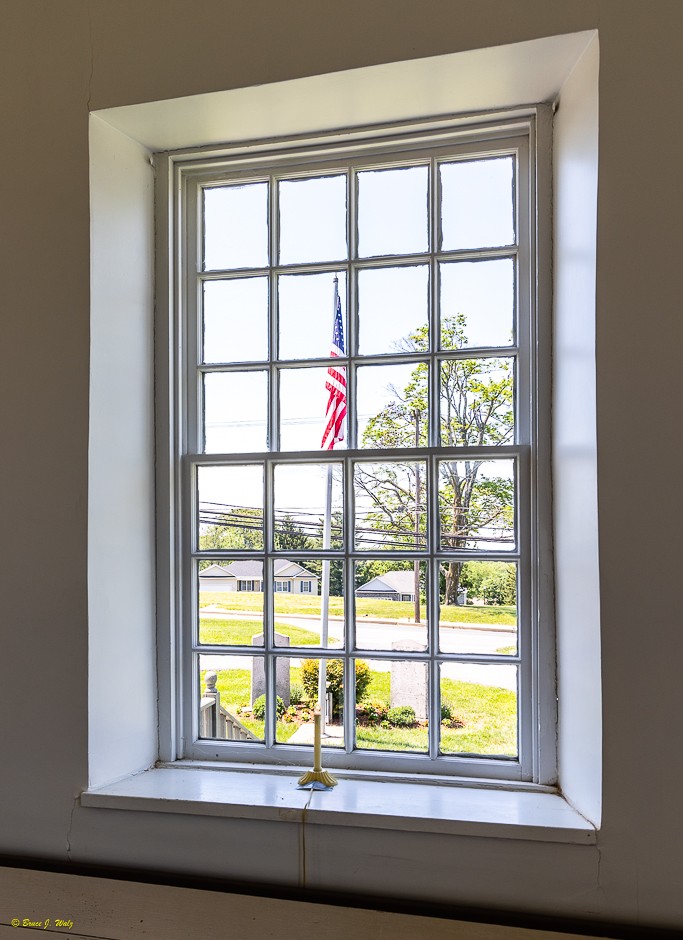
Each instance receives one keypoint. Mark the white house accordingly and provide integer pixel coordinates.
(289, 577)
(390, 586)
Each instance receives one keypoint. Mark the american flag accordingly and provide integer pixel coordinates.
(335, 384)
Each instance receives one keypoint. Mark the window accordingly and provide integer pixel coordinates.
(245, 586)
(416, 248)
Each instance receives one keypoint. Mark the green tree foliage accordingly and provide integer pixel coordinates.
(493, 581)
(238, 527)
(476, 410)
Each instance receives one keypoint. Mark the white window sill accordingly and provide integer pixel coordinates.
(409, 807)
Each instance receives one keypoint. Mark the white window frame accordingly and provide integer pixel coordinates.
(536, 644)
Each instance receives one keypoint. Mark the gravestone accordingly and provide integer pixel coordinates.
(258, 674)
(409, 680)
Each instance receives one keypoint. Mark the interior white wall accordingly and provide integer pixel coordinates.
(122, 729)
(577, 588)
(57, 61)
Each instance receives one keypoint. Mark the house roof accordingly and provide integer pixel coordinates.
(252, 568)
(402, 582)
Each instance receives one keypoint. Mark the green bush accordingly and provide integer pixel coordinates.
(446, 711)
(258, 709)
(335, 680)
(402, 716)
(296, 695)
(374, 711)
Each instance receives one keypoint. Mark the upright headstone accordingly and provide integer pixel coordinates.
(258, 675)
(409, 680)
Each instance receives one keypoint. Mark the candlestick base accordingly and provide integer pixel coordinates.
(318, 776)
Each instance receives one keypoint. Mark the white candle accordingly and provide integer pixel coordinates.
(317, 766)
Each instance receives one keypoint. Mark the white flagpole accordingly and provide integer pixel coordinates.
(325, 576)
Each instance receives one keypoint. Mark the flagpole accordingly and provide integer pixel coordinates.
(325, 576)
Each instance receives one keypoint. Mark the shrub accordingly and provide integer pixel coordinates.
(374, 711)
(258, 709)
(446, 711)
(402, 716)
(296, 695)
(335, 680)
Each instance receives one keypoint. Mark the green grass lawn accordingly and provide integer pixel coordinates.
(239, 632)
(489, 716)
(370, 607)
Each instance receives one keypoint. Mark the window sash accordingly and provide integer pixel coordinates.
(190, 177)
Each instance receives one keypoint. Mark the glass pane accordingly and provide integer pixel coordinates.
(236, 320)
(477, 203)
(392, 405)
(304, 398)
(393, 310)
(392, 212)
(306, 314)
(297, 690)
(300, 506)
(391, 505)
(392, 708)
(232, 698)
(477, 303)
(297, 600)
(313, 219)
(387, 617)
(236, 226)
(479, 709)
(477, 504)
(476, 402)
(235, 412)
(231, 602)
(230, 507)
(478, 607)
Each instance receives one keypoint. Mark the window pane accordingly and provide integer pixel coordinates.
(303, 406)
(391, 712)
(392, 212)
(313, 219)
(477, 504)
(478, 607)
(297, 600)
(392, 405)
(236, 320)
(477, 303)
(231, 601)
(393, 310)
(306, 314)
(299, 506)
(476, 402)
(297, 685)
(391, 505)
(235, 410)
(236, 226)
(230, 508)
(479, 709)
(230, 689)
(477, 204)
(385, 605)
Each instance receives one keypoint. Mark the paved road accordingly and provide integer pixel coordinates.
(377, 635)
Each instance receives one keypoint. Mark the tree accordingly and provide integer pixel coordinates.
(476, 410)
(236, 527)
(494, 581)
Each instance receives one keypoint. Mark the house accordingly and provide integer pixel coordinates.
(79, 692)
(289, 577)
(390, 586)
(396, 586)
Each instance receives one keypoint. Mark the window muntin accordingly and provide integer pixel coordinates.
(494, 355)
